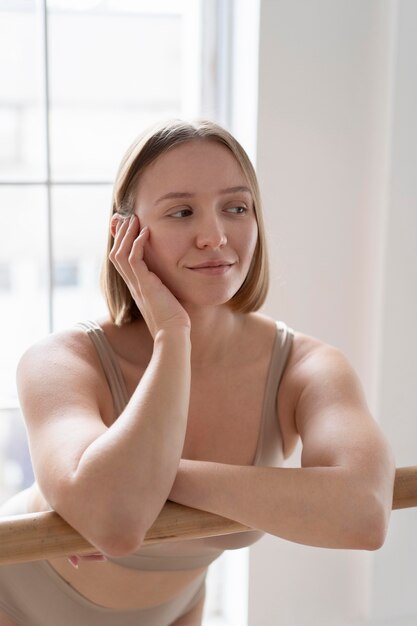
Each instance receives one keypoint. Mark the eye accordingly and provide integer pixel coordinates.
(181, 213)
(239, 210)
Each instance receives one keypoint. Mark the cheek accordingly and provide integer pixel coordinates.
(159, 254)
(251, 241)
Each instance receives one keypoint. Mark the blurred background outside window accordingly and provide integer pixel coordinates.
(79, 79)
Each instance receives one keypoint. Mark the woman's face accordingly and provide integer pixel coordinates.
(196, 201)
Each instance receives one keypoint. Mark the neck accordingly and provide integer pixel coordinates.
(213, 334)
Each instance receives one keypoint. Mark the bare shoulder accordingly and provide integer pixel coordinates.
(70, 348)
(66, 404)
(53, 365)
(311, 362)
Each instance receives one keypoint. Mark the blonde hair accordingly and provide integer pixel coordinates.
(144, 150)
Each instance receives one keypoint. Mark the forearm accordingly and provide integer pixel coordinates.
(124, 476)
(319, 506)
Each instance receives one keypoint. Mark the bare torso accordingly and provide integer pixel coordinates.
(223, 425)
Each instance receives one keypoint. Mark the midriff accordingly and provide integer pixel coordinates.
(116, 587)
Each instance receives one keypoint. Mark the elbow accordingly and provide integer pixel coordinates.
(113, 530)
(371, 539)
(120, 540)
(120, 545)
(122, 531)
(377, 531)
(107, 519)
(378, 507)
(373, 505)
(372, 528)
(125, 532)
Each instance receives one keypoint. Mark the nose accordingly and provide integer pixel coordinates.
(211, 233)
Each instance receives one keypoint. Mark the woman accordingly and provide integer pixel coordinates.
(185, 392)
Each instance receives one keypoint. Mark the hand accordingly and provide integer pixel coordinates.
(158, 306)
(74, 559)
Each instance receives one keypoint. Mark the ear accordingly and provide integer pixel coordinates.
(113, 223)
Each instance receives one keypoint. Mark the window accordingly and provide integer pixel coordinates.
(5, 277)
(78, 80)
(66, 274)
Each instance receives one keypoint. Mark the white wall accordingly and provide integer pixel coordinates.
(396, 565)
(337, 162)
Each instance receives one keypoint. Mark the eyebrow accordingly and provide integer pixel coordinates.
(186, 194)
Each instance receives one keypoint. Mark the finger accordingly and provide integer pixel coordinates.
(94, 557)
(138, 246)
(121, 227)
(117, 221)
(127, 256)
(117, 251)
(133, 226)
(126, 235)
(74, 560)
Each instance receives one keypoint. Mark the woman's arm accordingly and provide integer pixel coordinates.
(342, 495)
(110, 483)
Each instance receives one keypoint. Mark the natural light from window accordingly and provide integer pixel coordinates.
(79, 79)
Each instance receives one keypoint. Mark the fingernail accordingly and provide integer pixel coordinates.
(73, 564)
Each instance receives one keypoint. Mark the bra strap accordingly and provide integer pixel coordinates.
(270, 436)
(109, 362)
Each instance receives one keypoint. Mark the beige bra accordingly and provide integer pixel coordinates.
(196, 553)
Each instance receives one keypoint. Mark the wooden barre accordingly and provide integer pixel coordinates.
(405, 488)
(39, 536)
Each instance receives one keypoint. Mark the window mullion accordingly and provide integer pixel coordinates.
(224, 15)
(50, 260)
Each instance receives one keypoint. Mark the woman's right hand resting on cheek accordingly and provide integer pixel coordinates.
(158, 306)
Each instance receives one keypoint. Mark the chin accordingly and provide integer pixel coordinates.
(204, 295)
(204, 299)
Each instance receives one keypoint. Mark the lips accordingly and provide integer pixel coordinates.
(213, 267)
(209, 264)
